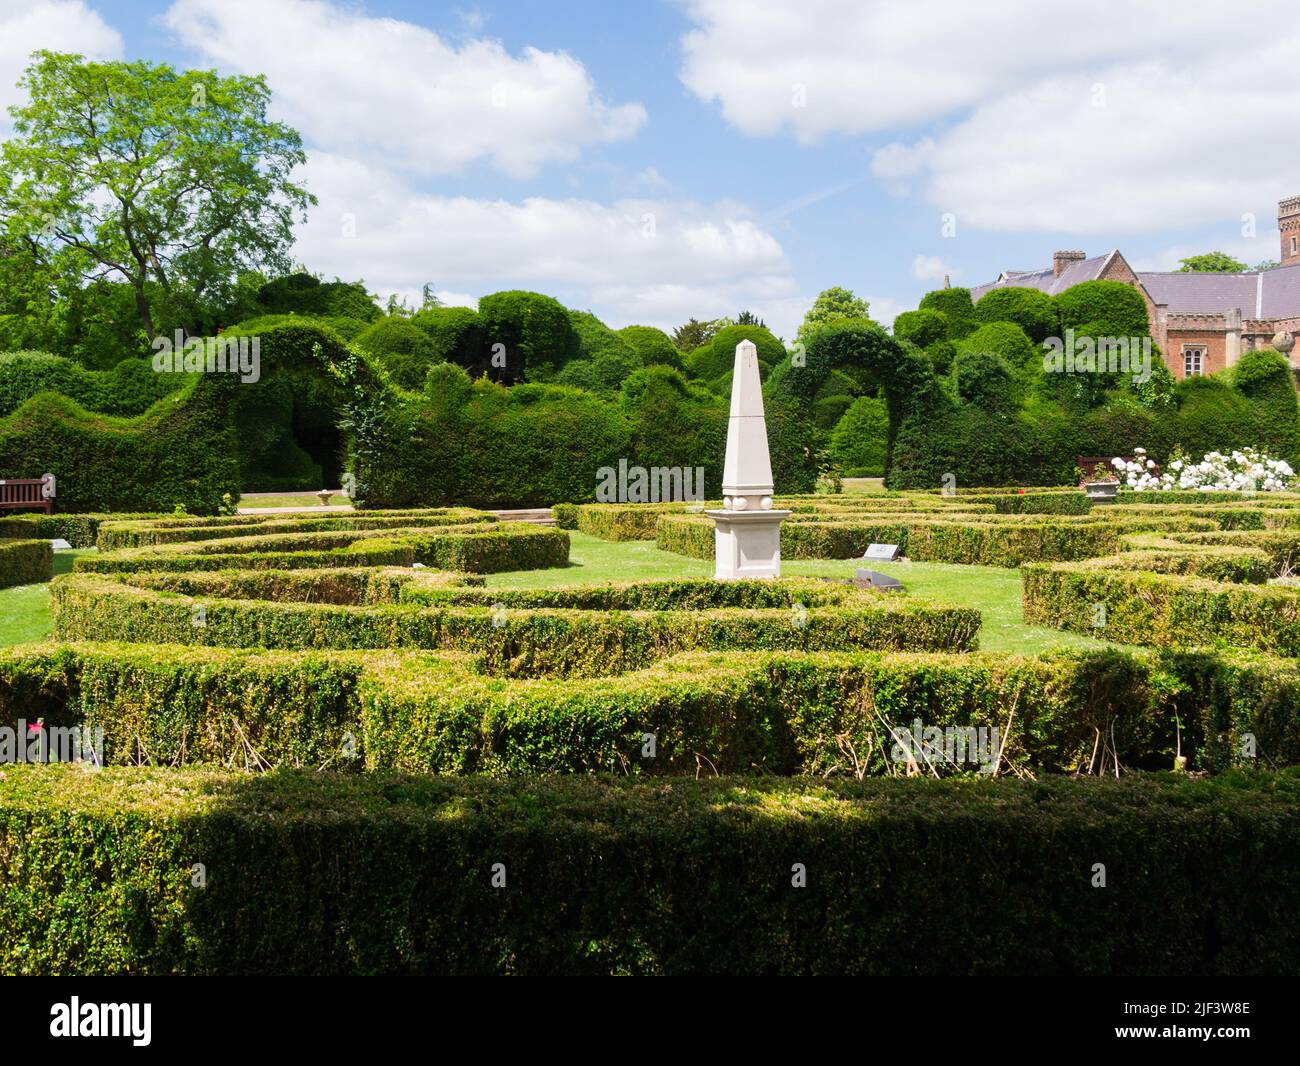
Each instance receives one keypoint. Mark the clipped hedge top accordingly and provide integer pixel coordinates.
(312, 547)
(140, 533)
(702, 598)
(627, 804)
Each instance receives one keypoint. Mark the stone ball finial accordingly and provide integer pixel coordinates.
(1283, 342)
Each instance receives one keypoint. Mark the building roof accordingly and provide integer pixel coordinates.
(1080, 270)
(1259, 294)
(1194, 292)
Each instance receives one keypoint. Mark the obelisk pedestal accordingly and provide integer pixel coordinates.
(747, 531)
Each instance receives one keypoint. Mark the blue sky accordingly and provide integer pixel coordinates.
(656, 161)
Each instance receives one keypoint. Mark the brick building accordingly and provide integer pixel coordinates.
(1202, 322)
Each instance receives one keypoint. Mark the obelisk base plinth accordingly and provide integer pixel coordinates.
(747, 544)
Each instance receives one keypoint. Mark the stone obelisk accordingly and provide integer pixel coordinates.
(747, 532)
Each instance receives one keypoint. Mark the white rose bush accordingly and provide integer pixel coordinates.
(1244, 470)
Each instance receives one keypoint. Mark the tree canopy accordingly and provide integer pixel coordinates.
(171, 182)
(835, 304)
(1212, 263)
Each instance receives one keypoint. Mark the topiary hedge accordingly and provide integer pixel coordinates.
(304, 294)
(718, 356)
(1033, 311)
(401, 348)
(456, 334)
(537, 338)
(653, 346)
(1103, 308)
(525, 639)
(618, 522)
(860, 438)
(113, 534)
(956, 307)
(1164, 609)
(967, 539)
(129, 389)
(25, 562)
(79, 530)
(470, 548)
(824, 714)
(922, 327)
(182, 451)
(306, 873)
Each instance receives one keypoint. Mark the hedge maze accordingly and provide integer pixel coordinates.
(332, 745)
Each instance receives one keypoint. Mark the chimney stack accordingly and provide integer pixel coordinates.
(1061, 260)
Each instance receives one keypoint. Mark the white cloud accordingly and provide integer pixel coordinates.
(651, 178)
(1181, 137)
(930, 268)
(1167, 147)
(896, 63)
(636, 260)
(59, 25)
(472, 20)
(380, 88)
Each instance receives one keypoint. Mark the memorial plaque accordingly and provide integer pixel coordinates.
(877, 580)
(887, 552)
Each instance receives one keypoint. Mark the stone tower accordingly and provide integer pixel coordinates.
(1288, 221)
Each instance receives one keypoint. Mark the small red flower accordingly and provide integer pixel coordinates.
(34, 727)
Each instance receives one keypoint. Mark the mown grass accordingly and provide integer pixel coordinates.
(274, 499)
(25, 610)
(995, 591)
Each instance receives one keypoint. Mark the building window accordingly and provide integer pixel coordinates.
(1295, 245)
(1193, 362)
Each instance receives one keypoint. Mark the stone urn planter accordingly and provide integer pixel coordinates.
(1102, 491)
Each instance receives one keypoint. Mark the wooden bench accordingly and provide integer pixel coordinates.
(23, 494)
(1088, 463)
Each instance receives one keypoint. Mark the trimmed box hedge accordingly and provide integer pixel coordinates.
(25, 562)
(113, 536)
(1167, 610)
(1002, 540)
(358, 586)
(519, 640)
(79, 530)
(619, 522)
(637, 521)
(779, 712)
(468, 548)
(153, 871)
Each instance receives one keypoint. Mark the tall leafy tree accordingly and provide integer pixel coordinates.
(172, 182)
(1212, 263)
(691, 335)
(832, 305)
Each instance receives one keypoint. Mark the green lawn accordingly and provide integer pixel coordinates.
(273, 499)
(993, 590)
(25, 610)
